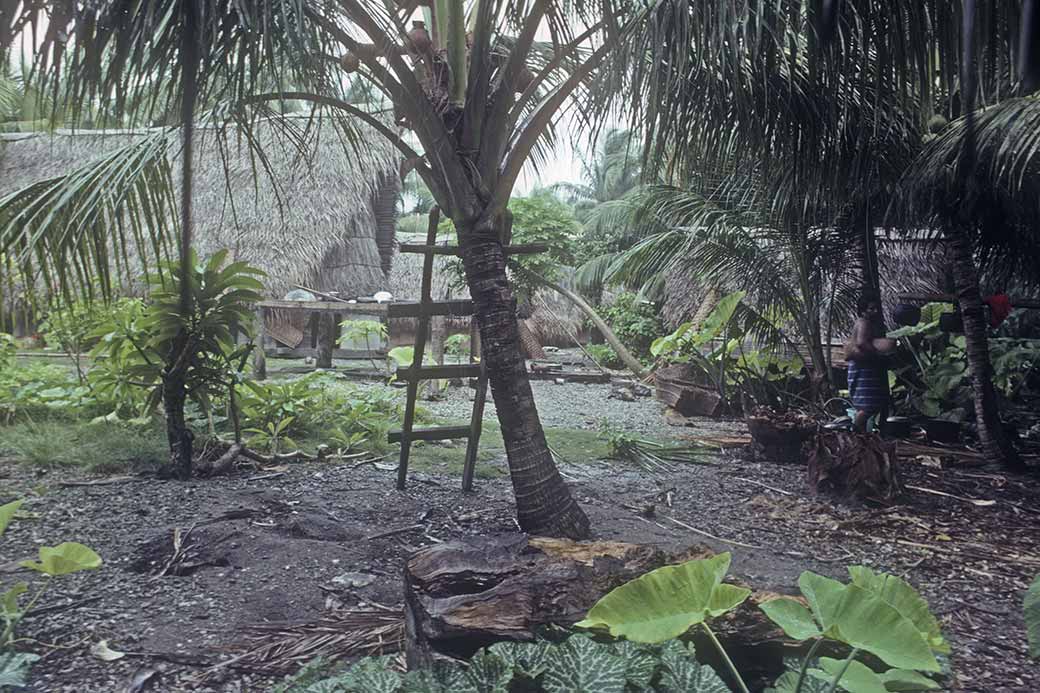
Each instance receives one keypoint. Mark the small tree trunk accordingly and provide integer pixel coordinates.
(630, 361)
(543, 503)
(995, 445)
(178, 435)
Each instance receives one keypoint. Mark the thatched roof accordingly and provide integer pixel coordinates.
(311, 222)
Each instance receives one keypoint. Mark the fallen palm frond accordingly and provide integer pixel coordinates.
(653, 456)
(280, 648)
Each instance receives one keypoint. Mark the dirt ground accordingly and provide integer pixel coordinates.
(273, 546)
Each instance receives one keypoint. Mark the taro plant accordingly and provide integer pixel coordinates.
(54, 561)
(457, 346)
(665, 603)
(875, 614)
(363, 331)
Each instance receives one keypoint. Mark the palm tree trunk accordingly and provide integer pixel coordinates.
(544, 505)
(174, 395)
(995, 445)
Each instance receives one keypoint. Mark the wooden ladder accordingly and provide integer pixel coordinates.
(423, 310)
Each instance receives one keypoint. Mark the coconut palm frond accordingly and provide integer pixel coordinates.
(76, 230)
(1000, 201)
(128, 56)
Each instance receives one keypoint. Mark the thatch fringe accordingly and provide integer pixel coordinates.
(310, 218)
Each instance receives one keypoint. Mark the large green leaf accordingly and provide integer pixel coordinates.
(858, 678)
(68, 557)
(824, 597)
(903, 598)
(581, 666)
(905, 680)
(528, 659)
(640, 663)
(489, 673)
(795, 620)
(684, 674)
(9, 600)
(865, 621)
(666, 602)
(1032, 609)
(7, 512)
(718, 318)
(14, 668)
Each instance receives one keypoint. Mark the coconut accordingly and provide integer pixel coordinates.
(349, 62)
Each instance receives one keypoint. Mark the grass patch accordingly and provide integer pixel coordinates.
(575, 445)
(99, 448)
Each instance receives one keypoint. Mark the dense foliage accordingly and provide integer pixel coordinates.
(634, 321)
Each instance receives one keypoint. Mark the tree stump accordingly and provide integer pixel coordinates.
(464, 595)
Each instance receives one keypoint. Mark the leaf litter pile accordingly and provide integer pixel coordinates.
(279, 570)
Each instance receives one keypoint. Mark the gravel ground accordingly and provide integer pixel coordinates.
(566, 406)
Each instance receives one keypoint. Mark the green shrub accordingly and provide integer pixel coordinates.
(318, 406)
(604, 355)
(634, 321)
(44, 392)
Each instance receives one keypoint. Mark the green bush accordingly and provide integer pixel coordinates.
(635, 322)
(44, 392)
(604, 355)
(318, 406)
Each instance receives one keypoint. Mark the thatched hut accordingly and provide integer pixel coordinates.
(319, 214)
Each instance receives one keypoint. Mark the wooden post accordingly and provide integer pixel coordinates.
(259, 357)
(326, 339)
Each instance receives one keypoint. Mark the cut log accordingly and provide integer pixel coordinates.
(467, 594)
(677, 387)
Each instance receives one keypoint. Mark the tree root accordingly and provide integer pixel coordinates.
(226, 463)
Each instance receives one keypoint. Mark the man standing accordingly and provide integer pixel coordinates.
(868, 372)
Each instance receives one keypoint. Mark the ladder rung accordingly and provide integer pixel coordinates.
(520, 249)
(436, 433)
(445, 372)
(414, 309)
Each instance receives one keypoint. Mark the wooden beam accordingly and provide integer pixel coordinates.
(445, 372)
(435, 433)
(327, 306)
(412, 309)
(1029, 304)
(522, 249)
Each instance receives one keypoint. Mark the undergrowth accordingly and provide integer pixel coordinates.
(101, 448)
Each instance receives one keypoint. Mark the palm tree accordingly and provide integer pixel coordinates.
(479, 104)
(609, 174)
(824, 106)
